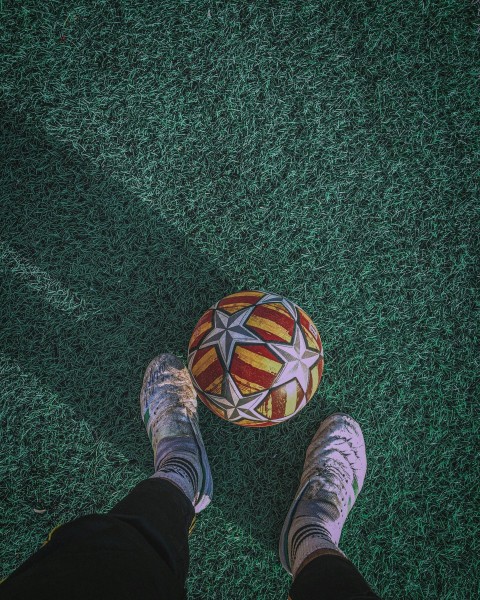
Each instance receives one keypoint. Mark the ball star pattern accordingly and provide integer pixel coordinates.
(237, 328)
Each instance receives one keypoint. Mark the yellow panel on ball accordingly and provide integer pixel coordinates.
(255, 358)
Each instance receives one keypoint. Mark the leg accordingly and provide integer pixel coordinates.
(138, 550)
(330, 577)
(163, 515)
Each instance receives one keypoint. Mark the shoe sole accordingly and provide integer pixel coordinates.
(283, 542)
(206, 493)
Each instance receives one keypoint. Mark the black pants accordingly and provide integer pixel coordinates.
(140, 550)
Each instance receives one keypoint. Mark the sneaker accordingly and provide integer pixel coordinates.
(333, 475)
(168, 407)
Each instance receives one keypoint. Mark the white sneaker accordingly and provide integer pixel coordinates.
(333, 475)
(168, 407)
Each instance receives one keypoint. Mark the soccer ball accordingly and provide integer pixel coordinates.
(255, 358)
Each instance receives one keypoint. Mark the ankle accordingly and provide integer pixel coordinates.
(314, 555)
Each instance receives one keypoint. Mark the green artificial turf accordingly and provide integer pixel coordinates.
(157, 156)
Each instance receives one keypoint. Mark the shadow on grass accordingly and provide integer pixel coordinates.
(142, 287)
